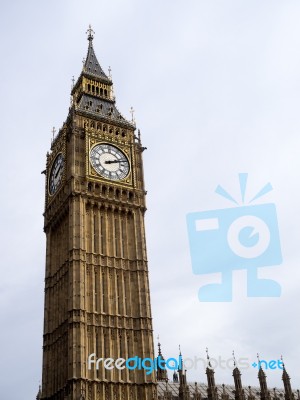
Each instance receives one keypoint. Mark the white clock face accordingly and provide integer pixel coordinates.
(56, 174)
(109, 161)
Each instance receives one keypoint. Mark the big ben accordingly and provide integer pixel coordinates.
(97, 298)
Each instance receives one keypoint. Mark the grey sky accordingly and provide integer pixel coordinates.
(216, 89)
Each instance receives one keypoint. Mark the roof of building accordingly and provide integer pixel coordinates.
(91, 64)
(173, 387)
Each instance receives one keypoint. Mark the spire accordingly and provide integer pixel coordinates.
(261, 373)
(161, 374)
(91, 65)
(184, 392)
(211, 386)
(92, 94)
(264, 393)
(288, 393)
(238, 392)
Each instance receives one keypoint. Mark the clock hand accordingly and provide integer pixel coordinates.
(114, 161)
(57, 172)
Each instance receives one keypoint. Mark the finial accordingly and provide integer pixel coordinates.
(90, 33)
(132, 115)
(109, 73)
(180, 351)
(73, 81)
(234, 360)
(257, 355)
(159, 346)
(281, 358)
(53, 132)
(207, 356)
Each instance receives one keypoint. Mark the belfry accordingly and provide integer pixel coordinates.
(97, 298)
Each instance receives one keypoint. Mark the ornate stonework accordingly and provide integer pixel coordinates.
(97, 296)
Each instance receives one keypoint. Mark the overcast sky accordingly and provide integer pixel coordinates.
(216, 89)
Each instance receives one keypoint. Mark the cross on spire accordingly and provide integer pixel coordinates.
(90, 33)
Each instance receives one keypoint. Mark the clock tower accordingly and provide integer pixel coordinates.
(97, 299)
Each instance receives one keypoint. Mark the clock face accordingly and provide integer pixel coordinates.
(109, 161)
(56, 174)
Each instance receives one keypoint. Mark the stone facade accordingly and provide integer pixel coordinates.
(97, 296)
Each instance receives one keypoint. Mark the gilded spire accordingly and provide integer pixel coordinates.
(91, 65)
(93, 94)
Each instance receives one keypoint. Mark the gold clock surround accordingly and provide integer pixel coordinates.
(94, 175)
